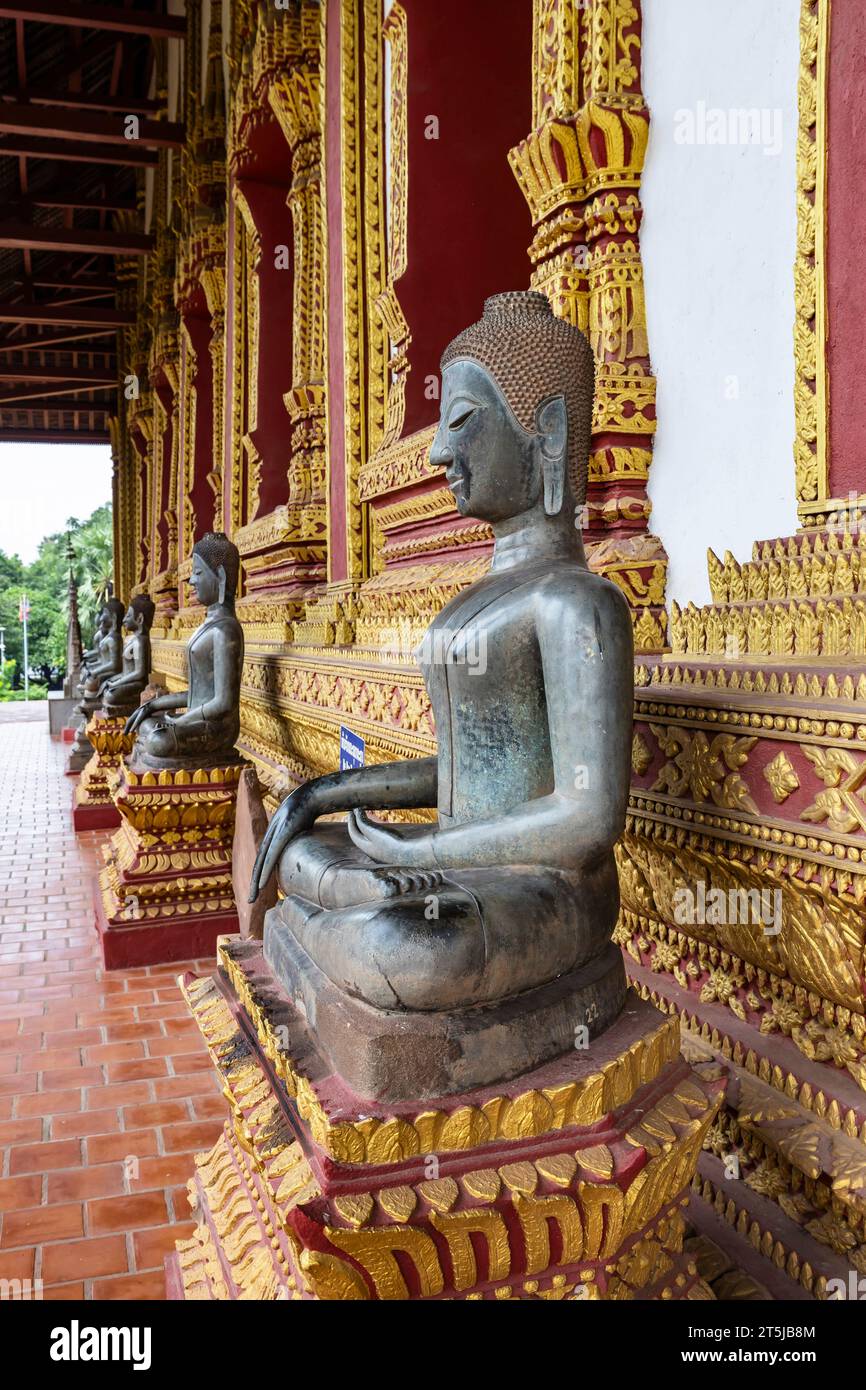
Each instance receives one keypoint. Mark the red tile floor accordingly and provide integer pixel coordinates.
(106, 1092)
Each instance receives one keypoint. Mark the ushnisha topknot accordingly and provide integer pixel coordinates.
(143, 606)
(533, 355)
(216, 549)
(116, 610)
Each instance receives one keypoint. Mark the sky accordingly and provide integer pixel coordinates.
(43, 485)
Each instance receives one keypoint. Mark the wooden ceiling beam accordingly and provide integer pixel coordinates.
(107, 129)
(53, 340)
(103, 18)
(79, 152)
(44, 434)
(87, 316)
(84, 101)
(35, 400)
(16, 235)
(70, 376)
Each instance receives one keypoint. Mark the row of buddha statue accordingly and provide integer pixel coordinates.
(115, 672)
(529, 784)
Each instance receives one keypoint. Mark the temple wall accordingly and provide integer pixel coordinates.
(719, 287)
(678, 261)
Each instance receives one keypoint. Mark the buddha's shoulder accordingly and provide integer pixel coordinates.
(577, 588)
(225, 628)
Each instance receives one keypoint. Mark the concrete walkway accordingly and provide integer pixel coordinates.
(20, 712)
(106, 1092)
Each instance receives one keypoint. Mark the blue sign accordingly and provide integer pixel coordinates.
(352, 749)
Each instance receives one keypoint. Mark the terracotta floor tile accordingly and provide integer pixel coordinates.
(126, 1213)
(109, 1148)
(17, 1264)
(51, 1103)
(36, 1224)
(103, 1180)
(20, 1192)
(196, 1135)
(87, 1123)
(150, 1286)
(151, 1247)
(166, 1170)
(84, 1258)
(39, 1158)
(83, 1051)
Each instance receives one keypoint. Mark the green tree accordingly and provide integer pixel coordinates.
(46, 583)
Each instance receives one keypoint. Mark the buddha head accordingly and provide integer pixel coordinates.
(215, 567)
(516, 411)
(114, 614)
(140, 614)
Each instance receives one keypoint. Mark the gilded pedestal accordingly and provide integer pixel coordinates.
(567, 1182)
(92, 806)
(165, 893)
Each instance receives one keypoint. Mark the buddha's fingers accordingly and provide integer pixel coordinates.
(257, 881)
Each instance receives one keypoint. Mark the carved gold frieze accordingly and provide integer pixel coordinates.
(810, 326)
(394, 1139)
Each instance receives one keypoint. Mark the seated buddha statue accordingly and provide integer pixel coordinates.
(206, 730)
(107, 659)
(122, 692)
(91, 656)
(530, 676)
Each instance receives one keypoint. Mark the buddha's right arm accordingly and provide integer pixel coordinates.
(178, 700)
(407, 785)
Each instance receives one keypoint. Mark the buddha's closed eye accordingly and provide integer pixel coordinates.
(459, 419)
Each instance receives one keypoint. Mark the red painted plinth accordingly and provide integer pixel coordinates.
(125, 945)
(106, 817)
(165, 893)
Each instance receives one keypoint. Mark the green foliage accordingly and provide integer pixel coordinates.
(46, 583)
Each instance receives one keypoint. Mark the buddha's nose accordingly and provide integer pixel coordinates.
(440, 454)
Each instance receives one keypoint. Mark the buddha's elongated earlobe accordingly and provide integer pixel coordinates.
(551, 421)
(221, 574)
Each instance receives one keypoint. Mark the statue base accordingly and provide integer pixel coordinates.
(391, 1054)
(165, 893)
(567, 1182)
(82, 749)
(92, 806)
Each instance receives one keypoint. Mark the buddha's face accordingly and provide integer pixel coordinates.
(491, 463)
(130, 621)
(204, 582)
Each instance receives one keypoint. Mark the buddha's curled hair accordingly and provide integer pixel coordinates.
(533, 355)
(116, 611)
(216, 549)
(143, 606)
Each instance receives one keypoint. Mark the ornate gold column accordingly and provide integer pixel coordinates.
(580, 171)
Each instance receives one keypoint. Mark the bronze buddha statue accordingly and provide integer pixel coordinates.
(206, 731)
(468, 950)
(123, 691)
(103, 625)
(107, 658)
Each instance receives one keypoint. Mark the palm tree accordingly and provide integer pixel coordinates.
(94, 564)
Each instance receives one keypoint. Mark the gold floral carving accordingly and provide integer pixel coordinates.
(697, 767)
(641, 757)
(781, 777)
(843, 775)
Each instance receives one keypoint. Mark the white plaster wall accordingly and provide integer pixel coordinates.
(718, 245)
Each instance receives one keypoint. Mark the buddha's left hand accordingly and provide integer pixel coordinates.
(410, 845)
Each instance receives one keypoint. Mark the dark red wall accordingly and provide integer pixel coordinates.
(470, 65)
(846, 246)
